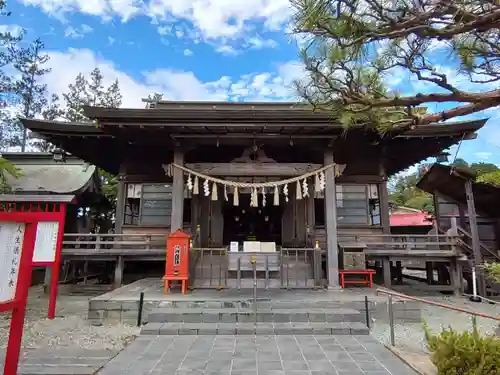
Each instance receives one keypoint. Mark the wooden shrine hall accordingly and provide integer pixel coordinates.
(273, 179)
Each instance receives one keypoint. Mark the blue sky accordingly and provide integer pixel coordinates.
(194, 50)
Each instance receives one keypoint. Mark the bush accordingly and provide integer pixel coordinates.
(465, 353)
(493, 271)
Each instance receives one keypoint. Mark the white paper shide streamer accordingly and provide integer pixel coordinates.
(276, 188)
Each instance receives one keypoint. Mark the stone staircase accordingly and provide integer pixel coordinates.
(285, 318)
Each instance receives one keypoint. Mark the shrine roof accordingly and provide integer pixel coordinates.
(117, 134)
(450, 182)
(41, 174)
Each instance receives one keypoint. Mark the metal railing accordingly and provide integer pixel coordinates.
(391, 295)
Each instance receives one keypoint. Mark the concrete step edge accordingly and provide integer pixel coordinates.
(251, 329)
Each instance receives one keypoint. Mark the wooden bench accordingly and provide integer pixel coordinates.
(365, 281)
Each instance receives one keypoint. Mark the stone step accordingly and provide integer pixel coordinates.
(248, 315)
(306, 328)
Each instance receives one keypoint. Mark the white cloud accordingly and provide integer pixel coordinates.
(226, 50)
(111, 40)
(77, 33)
(14, 30)
(175, 85)
(188, 52)
(483, 155)
(214, 18)
(164, 30)
(258, 43)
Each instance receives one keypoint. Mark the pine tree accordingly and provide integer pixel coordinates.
(6, 59)
(113, 97)
(52, 111)
(7, 40)
(90, 92)
(75, 99)
(95, 89)
(155, 97)
(32, 96)
(352, 47)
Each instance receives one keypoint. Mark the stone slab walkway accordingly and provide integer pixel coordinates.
(256, 355)
(60, 361)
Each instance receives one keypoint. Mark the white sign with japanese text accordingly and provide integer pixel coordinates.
(46, 241)
(11, 245)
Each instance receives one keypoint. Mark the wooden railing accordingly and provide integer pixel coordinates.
(466, 241)
(141, 244)
(416, 244)
(113, 244)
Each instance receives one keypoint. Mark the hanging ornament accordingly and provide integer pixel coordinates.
(214, 192)
(285, 191)
(206, 188)
(317, 187)
(196, 186)
(236, 198)
(298, 191)
(190, 183)
(263, 197)
(305, 188)
(254, 198)
(276, 196)
(226, 198)
(322, 180)
(337, 170)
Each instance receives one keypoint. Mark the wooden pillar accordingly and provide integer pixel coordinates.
(399, 271)
(384, 207)
(386, 267)
(121, 197)
(454, 278)
(476, 245)
(310, 217)
(429, 270)
(331, 222)
(119, 272)
(177, 192)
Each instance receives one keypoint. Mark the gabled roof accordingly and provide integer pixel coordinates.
(42, 175)
(450, 182)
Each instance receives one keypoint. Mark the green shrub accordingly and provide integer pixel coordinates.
(464, 353)
(493, 271)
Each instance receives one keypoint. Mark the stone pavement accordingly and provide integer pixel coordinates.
(60, 361)
(256, 355)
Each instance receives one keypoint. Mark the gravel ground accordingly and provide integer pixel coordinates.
(411, 336)
(70, 329)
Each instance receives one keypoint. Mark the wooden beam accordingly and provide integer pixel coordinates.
(120, 204)
(253, 169)
(384, 197)
(331, 222)
(177, 192)
(264, 136)
(476, 245)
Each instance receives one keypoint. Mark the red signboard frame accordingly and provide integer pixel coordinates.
(41, 212)
(18, 304)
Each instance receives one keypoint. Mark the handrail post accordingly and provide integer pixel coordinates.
(391, 320)
(254, 266)
(367, 312)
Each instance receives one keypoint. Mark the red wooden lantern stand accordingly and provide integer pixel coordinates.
(177, 260)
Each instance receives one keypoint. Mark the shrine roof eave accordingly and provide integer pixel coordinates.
(106, 147)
